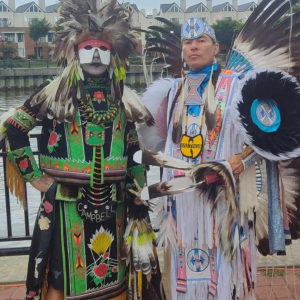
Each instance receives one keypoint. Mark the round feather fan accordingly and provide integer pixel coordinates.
(267, 110)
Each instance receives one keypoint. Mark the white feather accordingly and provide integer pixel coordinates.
(3, 118)
(152, 98)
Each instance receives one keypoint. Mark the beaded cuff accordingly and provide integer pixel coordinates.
(23, 119)
(250, 159)
(25, 164)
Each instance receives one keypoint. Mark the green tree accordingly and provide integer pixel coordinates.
(226, 30)
(37, 30)
(7, 50)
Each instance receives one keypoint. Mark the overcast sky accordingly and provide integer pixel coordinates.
(147, 4)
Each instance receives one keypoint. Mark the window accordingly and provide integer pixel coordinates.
(203, 19)
(50, 37)
(3, 22)
(228, 18)
(174, 9)
(175, 20)
(201, 8)
(20, 37)
(38, 53)
(227, 8)
(9, 37)
(251, 8)
(4, 8)
(33, 8)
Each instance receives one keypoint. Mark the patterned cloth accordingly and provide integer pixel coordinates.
(79, 229)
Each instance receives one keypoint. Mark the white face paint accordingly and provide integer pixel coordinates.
(87, 50)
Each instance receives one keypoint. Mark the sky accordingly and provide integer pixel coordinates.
(147, 4)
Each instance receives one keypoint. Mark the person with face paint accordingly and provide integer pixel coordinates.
(92, 238)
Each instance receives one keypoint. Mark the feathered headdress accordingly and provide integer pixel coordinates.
(87, 19)
(83, 20)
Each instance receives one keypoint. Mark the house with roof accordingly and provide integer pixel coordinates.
(199, 10)
(14, 22)
(173, 12)
(14, 26)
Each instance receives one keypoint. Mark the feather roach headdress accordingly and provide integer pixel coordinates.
(84, 20)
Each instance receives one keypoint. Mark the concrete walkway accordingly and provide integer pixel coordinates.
(272, 284)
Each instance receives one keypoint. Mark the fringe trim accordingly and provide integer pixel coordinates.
(15, 183)
(195, 220)
(45, 283)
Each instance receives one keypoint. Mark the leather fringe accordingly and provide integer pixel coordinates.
(15, 183)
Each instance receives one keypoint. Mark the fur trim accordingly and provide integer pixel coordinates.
(283, 89)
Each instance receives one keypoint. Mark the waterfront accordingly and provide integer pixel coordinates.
(9, 100)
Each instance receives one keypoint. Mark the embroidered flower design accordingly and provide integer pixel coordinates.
(53, 141)
(48, 207)
(23, 165)
(99, 96)
(44, 223)
(106, 255)
(31, 294)
(53, 138)
(114, 269)
(101, 270)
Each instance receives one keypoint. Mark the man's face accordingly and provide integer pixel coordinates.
(199, 52)
(94, 57)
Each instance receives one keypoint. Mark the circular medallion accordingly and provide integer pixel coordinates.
(265, 115)
(197, 260)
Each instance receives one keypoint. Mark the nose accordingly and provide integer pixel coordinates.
(96, 54)
(194, 45)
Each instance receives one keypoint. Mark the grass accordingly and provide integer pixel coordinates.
(273, 273)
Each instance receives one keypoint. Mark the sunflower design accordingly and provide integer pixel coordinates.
(101, 241)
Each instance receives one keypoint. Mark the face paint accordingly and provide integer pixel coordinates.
(88, 48)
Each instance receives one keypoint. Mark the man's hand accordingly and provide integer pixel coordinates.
(236, 164)
(43, 183)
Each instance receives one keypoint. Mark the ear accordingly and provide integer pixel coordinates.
(217, 48)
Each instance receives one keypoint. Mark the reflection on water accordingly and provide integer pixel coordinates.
(9, 100)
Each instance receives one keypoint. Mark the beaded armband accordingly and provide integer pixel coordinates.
(25, 164)
(138, 173)
(249, 159)
(132, 136)
(23, 119)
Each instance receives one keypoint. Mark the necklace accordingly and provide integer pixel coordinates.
(98, 117)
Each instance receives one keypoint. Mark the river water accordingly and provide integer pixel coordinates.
(9, 100)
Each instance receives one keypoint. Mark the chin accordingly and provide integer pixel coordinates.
(94, 72)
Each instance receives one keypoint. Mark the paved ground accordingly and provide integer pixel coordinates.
(272, 283)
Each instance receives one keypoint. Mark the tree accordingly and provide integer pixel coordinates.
(226, 30)
(37, 30)
(7, 50)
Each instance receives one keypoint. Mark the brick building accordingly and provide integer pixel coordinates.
(14, 22)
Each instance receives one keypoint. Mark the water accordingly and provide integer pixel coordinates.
(7, 101)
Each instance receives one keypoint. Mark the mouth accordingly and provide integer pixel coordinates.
(194, 56)
(96, 64)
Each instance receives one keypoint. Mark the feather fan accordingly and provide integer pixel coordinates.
(264, 41)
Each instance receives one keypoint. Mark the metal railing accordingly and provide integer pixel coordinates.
(10, 237)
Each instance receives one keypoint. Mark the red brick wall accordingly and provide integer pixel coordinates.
(29, 43)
